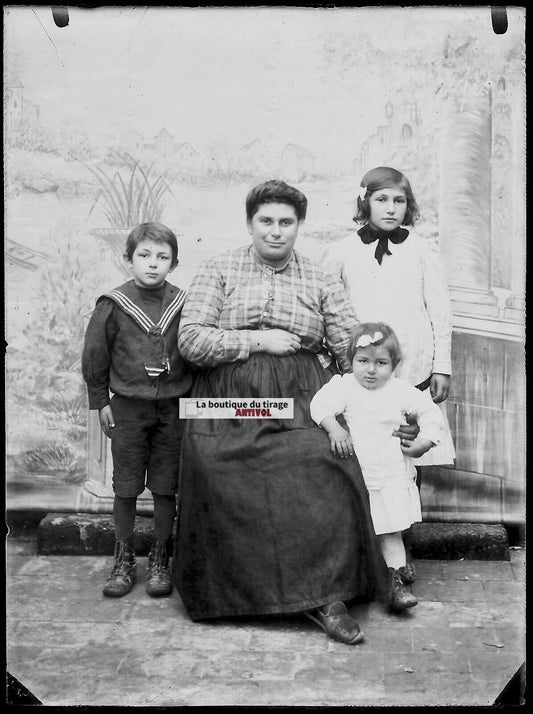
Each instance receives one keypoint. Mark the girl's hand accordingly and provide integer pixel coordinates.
(106, 420)
(407, 432)
(275, 342)
(439, 387)
(417, 447)
(340, 441)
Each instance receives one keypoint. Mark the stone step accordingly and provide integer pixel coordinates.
(93, 534)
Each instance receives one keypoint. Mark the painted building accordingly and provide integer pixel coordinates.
(187, 160)
(181, 157)
(17, 107)
(164, 143)
(254, 158)
(133, 142)
(297, 163)
(402, 130)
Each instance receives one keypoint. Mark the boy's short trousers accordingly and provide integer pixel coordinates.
(146, 445)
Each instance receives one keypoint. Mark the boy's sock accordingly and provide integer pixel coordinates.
(164, 514)
(124, 511)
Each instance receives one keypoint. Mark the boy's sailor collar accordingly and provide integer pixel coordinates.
(172, 304)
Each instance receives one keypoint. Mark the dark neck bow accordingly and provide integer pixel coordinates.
(369, 235)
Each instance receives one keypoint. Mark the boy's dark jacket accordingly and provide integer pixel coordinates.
(116, 348)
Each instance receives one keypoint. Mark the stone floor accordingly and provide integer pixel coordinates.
(68, 645)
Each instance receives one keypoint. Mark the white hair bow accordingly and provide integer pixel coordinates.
(362, 192)
(366, 340)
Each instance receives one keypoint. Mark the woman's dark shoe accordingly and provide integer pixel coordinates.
(400, 597)
(121, 579)
(337, 622)
(158, 581)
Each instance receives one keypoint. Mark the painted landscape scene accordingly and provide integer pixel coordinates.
(147, 113)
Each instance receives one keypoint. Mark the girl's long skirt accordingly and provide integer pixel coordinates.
(270, 521)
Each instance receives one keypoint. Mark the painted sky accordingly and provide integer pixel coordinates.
(220, 75)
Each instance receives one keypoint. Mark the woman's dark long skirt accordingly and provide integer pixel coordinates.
(270, 521)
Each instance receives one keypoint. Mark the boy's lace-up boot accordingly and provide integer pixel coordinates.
(400, 597)
(158, 581)
(121, 579)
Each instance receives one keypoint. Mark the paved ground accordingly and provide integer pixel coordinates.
(68, 645)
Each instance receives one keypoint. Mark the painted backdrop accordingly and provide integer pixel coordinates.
(138, 113)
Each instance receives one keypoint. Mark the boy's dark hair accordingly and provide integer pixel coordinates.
(275, 192)
(386, 177)
(156, 232)
(389, 340)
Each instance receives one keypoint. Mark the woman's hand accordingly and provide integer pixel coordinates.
(439, 387)
(407, 432)
(275, 342)
(106, 420)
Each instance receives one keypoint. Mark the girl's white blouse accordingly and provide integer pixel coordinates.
(408, 291)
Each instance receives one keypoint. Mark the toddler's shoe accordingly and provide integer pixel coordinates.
(408, 570)
(121, 579)
(400, 597)
(158, 580)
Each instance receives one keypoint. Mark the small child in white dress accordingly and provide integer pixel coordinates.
(373, 404)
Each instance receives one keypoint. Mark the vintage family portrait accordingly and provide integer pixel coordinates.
(265, 275)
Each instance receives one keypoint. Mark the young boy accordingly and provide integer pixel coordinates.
(131, 350)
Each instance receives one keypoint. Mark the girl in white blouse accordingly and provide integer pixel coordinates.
(395, 276)
(373, 404)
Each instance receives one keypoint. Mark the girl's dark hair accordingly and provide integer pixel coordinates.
(156, 232)
(275, 192)
(386, 177)
(389, 340)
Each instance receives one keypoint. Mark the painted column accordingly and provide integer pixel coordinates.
(96, 494)
(465, 210)
(515, 303)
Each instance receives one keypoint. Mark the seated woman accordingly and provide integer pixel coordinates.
(271, 521)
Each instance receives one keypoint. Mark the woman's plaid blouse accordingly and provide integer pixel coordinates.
(235, 293)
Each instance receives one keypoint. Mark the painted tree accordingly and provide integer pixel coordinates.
(44, 372)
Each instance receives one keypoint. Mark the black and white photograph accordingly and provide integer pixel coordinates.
(278, 252)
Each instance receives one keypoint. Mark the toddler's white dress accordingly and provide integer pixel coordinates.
(371, 416)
